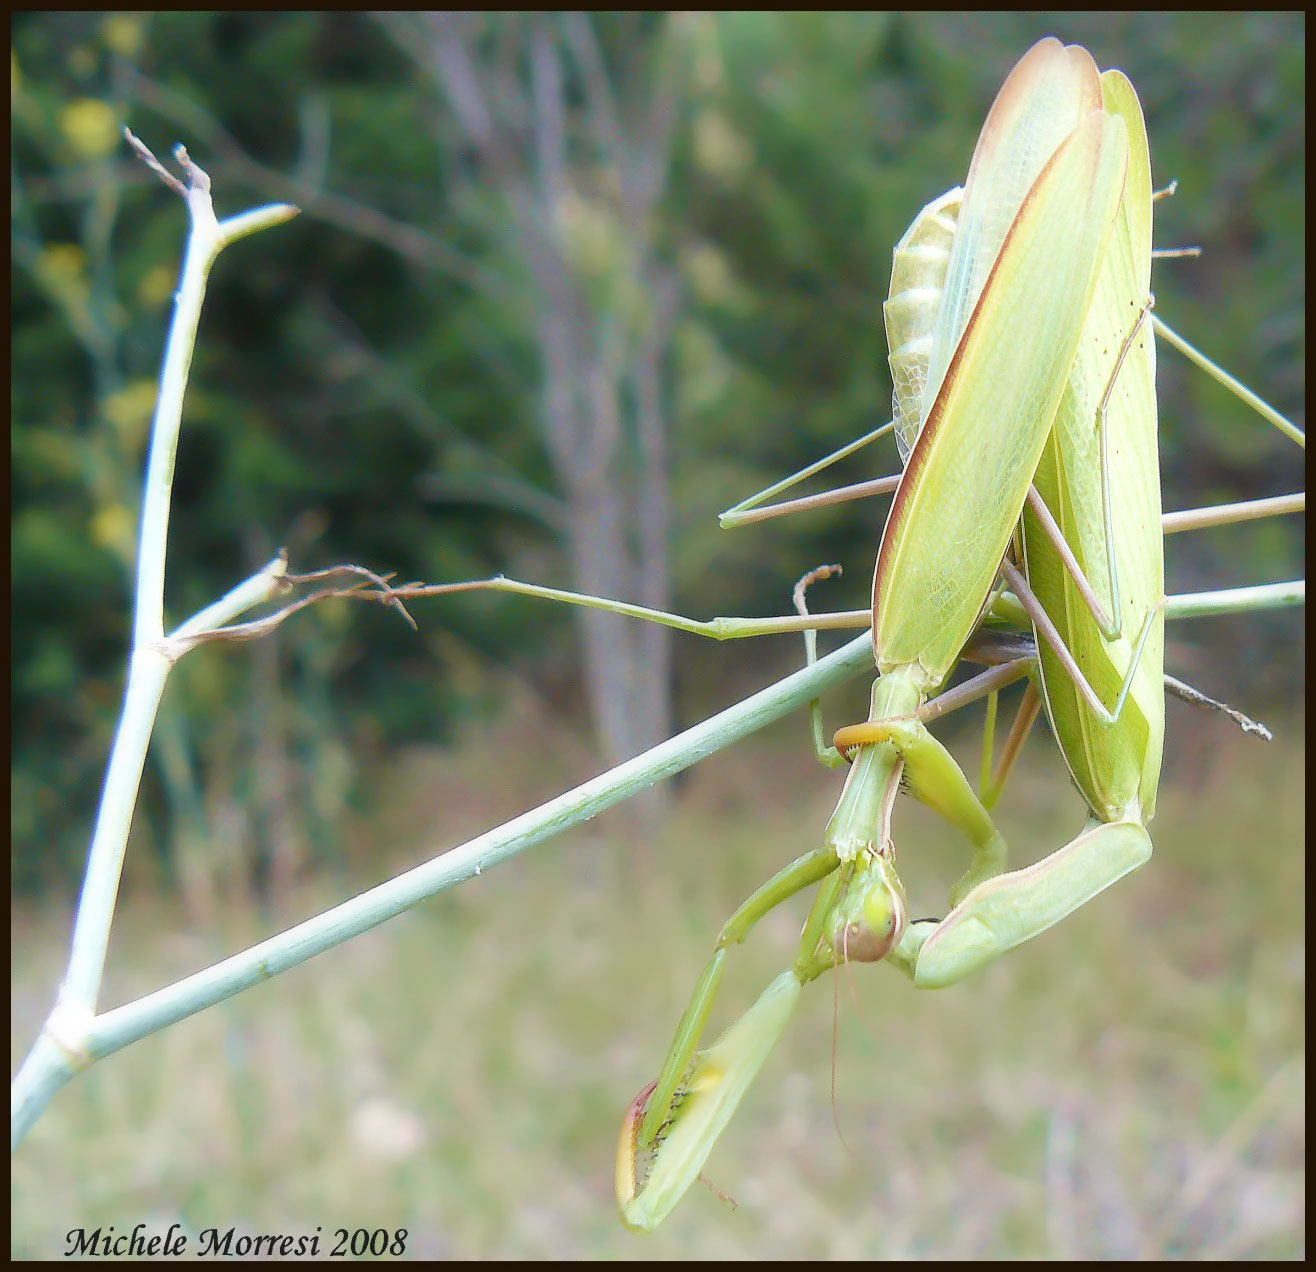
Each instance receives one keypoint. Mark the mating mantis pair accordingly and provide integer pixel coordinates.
(1038, 372)
(1058, 432)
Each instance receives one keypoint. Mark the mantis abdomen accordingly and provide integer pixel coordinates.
(918, 283)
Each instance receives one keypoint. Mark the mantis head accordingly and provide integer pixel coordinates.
(871, 914)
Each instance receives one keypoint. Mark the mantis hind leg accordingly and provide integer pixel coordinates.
(1012, 908)
(993, 779)
(1109, 623)
(1046, 631)
(828, 756)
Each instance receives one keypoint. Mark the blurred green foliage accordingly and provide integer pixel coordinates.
(365, 382)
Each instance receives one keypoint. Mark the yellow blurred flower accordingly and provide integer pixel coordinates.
(719, 149)
(129, 411)
(157, 286)
(91, 127)
(113, 526)
(122, 32)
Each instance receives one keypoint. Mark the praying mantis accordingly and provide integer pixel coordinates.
(1111, 385)
(1045, 180)
(1115, 761)
(1038, 254)
(1049, 160)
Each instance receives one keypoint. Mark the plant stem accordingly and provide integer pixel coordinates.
(115, 1029)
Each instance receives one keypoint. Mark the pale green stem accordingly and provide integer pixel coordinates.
(149, 665)
(70, 1045)
(261, 587)
(151, 658)
(147, 673)
(203, 246)
(1255, 597)
(1221, 376)
(1236, 600)
(62, 1047)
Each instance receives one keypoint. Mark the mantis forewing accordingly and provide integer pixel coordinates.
(1051, 88)
(1111, 386)
(992, 414)
(1116, 768)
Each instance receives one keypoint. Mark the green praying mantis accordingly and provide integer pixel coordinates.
(1049, 160)
(1039, 206)
(1108, 409)
(1050, 238)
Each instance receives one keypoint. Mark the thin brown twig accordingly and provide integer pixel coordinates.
(386, 594)
(259, 627)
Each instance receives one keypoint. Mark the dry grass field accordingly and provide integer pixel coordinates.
(1130, 1084)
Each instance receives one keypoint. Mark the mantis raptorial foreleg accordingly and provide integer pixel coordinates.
(1013, 908)
(802, 873)
(935, 779)
(858, 914)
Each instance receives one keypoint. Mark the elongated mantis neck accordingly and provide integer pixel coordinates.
(898, 693)
(874, 778)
